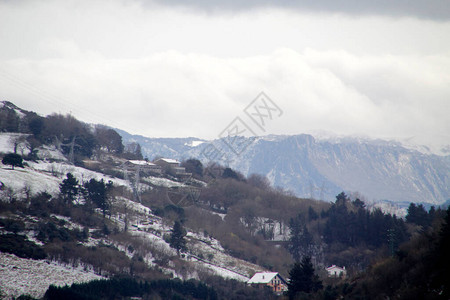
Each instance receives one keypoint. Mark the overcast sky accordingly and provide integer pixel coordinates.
(169, 69)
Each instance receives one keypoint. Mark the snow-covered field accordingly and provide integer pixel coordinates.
(20, 179)
(26, 276)
(5, 142)
(60, 169)
(45, 176)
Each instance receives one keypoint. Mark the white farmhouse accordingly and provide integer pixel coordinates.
(143, 166)
(172, 166)
(335, 271)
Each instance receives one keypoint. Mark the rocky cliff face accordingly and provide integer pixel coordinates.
(378, 170)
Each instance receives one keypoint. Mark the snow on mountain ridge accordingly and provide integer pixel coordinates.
(321, 167)
(194, 143)
(423, 144)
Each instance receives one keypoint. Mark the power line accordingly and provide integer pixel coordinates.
(55, 100)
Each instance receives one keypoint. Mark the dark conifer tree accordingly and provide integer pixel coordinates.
(300, 240)
(69, 188)
(177, 239)
(417, 215)
(96, 192)
(303, 278)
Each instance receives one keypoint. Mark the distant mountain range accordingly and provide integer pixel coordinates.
(320, 168)
(308, 166)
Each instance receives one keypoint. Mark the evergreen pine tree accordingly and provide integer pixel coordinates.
(417, 215)
(96, 192)
(303, 279)
(69, 188)
(177, 240)
(300, 239)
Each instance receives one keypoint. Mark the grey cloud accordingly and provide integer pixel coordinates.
(174, 94)
(431, 9)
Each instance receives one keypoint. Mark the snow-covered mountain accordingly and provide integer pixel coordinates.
(323, 167)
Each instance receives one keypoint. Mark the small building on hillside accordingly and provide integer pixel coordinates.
(143, 166)
(172, 167)
(335, 271)
(271, 280)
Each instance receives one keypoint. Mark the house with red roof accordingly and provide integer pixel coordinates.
(272, 280)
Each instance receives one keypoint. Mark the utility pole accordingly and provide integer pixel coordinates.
(72, 144)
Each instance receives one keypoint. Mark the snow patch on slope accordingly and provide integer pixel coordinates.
(6, 141)
(194, 143)
(46, 176)
(26, 276)
(20, 179)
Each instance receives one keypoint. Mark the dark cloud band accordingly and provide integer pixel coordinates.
(431, 9)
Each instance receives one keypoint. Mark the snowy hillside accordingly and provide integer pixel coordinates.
(204, 254)
(20, 276)
(46, 177)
